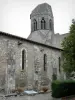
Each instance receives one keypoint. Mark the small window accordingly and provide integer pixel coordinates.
(35, 25)
(45, 61)
(50, 24)
(55, 71)
(59, 63)
(43, 24)
(23, 59)
(54, 76)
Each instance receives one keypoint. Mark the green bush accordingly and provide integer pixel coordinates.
(63, 88)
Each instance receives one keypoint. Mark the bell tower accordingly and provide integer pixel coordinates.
(42, 24)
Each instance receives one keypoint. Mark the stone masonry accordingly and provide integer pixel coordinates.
(30, 63)
(11, 63)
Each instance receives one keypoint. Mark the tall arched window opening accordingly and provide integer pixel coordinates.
(43, 24)
(35, 25)
(45, 62)
(23, 59)
(50, 24)
(59, 63)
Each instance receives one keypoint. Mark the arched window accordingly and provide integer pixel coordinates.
(45, 62)
(59, 63)
(50, 24)
(35, 24)
(43, 24)
(23, 59)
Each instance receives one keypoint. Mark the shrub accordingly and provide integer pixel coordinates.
(63, 88)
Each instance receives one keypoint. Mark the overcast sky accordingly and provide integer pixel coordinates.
(15, 15)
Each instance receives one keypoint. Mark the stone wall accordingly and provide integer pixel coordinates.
(57, 39)
(33, 73)
(3, 64)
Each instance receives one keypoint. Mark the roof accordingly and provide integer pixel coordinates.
(23, 39)
(43, 8)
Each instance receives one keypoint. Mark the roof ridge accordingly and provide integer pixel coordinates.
(30, 41)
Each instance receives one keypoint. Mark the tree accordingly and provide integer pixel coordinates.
(68, 52)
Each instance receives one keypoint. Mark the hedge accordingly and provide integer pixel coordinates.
(63, 88)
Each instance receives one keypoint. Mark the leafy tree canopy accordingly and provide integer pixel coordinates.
(68, 53)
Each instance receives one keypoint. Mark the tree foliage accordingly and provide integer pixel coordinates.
(68, 53)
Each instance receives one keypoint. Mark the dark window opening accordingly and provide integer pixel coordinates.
(45, 62)
(35, 25)
(50, 24)
(43, 24)
(23, 60)
(59, 63)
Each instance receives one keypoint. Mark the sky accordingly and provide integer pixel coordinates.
(15, 15)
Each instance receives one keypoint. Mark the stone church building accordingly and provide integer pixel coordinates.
(31, 63)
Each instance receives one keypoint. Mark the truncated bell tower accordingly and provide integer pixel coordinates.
(42, 24)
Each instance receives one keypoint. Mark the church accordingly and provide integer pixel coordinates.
(31, 63)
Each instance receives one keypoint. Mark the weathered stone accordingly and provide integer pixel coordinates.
(30, 71)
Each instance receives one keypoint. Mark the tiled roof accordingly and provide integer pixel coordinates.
(43, 8)
(30, 41)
